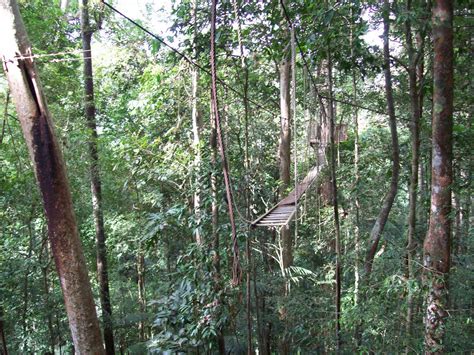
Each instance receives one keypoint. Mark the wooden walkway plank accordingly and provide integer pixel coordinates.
(283, 212)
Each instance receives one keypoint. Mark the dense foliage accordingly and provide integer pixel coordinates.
(144, 104)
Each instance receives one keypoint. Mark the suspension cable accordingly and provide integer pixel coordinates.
(189, 60)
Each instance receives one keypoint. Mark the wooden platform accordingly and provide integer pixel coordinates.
(283, 212)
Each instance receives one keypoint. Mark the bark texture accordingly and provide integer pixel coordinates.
(96, 183)
(284, 156)
(50, 171)
(436, 248)
(379, 225)
(332, 141)
(284, 151)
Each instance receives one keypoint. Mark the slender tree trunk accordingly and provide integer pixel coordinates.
(415, 152)
(356, 183)
(5, 116)
(216, 261)
(284, 148)
(284, 154)
(236, 271)
(458, 218)
(47, 304)
(26, 283)
(96, 184)
(437, 253)
(466, 222)
(64, 5)
(356, 203)
(52, 179)
(141, 291)
(257, 309)
(382, 218)
(197, 128)
(243, 64)
(332, 142)
(284, 151)
(2, 333)
(45, 260)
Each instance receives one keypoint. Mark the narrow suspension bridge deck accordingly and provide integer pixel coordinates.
(283, 212)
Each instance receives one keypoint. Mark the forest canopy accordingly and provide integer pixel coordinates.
(271, 177)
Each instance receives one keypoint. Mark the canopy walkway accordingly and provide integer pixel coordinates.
(283, 212)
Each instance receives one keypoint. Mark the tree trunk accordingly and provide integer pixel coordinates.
(284, 155)
(332, 143)
(216, 261)
(2, 333)
(413, 187)
(248, 251)
(64, 5)
(52, 179)
(49, 316)
(382, 218)
(356, 184)
(236, 272)
(26, 283)
(141, 291)
(257, 309)
(284, 151)
(436, 247)
(96, 184)
(197, 128)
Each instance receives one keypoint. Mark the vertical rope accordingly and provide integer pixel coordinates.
(236, 270)
(293, 108)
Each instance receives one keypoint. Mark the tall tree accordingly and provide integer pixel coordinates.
(436, 247)
(96, 184)
(284, 148)
(197, 128)
(332, 143)
(379, 225)
(50, 171)
(236, 271)
(248, 253)
(216, 259)
(414, 54)
(284, 155)
(355, 112)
